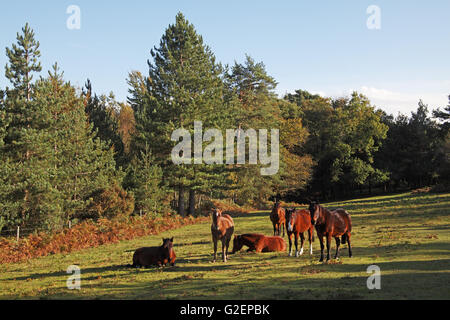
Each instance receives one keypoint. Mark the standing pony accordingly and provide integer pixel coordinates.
(297, 222)
(222, 228)
(331, 224)
(278, 219)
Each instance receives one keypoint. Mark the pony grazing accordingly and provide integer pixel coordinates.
(258, 243)
(277, 216)
(297, 222)
(331, 224)
(155, 256)
(222, 228)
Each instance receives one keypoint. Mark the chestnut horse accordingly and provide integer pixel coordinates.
(297, 222)
(222, 228)
(259, 243)
(331, 224)
(155, 256)
(277, 216)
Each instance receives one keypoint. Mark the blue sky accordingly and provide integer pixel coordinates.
(321, 46)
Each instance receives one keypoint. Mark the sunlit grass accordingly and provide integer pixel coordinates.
(406, 235)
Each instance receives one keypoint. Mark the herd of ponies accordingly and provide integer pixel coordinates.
(295, 222)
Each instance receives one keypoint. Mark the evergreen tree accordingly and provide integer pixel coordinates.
(144, 178)
(260, 108)
(23, 61)
(184, 86)
(103, 115)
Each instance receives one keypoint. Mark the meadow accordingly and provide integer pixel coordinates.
(406, 235)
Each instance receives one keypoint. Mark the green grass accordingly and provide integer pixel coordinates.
(406, 235)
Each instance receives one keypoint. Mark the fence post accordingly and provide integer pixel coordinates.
(18, 233)
(70, 224)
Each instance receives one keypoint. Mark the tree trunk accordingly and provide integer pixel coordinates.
(181, 202)
(191, 202)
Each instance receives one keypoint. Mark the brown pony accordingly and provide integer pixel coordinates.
(331, 224)
(297, 222)
(222, 228)
(259, 243)
(155, 256)
(277, 216)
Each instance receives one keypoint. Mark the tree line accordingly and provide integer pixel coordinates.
(68, 154)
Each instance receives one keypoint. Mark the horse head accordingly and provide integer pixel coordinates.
(216, 214)
(314, 210)
(276, 209)
(167, 243)
(290, 220)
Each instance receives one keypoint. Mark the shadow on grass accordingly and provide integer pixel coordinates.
(402, 285)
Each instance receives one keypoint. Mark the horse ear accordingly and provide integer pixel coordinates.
(171, 240)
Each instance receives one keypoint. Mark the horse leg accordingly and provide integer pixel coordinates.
(284, 234)
(274, 229)
(310, 235)
(224, 256)
(296, 245)
(228, 245)
(290, 244)
(350, 254)
(328, 247)
(215, 249)
(338, 243)
(302, 238)
(322, 247)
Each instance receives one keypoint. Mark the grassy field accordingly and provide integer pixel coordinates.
(406, 235)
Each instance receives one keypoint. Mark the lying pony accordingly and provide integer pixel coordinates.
(259, 243)
(155, 256)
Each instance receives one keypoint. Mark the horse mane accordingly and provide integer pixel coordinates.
(323, 209)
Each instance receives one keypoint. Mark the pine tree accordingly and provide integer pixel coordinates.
(103, 116)
(184, 86)
(144, 178)
(24, 61)
(84, 164)
(21, 174)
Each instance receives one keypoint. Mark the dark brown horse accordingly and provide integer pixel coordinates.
(155, 256)
(298, 222)
(331, 224)
(222, 228)
(259, 243)
(277, 216)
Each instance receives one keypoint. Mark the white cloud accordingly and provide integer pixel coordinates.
(404, 102)
(395, 101)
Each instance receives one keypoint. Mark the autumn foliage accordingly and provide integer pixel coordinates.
(88, 235)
